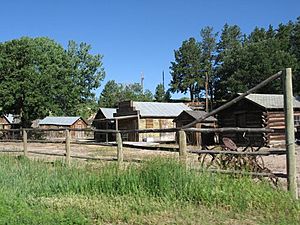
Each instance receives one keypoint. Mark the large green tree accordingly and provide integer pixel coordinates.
(113, 93)
(186, 69)
(38, 77)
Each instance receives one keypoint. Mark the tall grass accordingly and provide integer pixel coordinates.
(162, 179)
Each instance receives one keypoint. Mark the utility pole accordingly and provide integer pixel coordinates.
(206, 92)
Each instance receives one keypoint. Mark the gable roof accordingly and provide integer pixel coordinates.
(159, 109)
(270, 101)
(60, 120)
(9, 118)
(197, 114)
(108, 112)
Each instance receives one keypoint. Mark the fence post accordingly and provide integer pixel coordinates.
(182, 146)
(68, 148)
(25, 142)
(119, 148)
(289, 132)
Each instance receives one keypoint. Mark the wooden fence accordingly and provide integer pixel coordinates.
(183, 150)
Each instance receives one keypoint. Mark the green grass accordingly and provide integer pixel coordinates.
(156, 192)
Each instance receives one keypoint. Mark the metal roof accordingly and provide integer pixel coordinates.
(270, 101)
(159, 109)
(61, 120)
(108, 112)
(197, 114)
(10, 118)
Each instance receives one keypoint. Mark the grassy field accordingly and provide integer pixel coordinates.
(155, 192)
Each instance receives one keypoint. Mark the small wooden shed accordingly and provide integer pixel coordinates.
(258, 111)
(104, 120)
(6, 121)
(64, 122)
(196, 138)
(148, 115)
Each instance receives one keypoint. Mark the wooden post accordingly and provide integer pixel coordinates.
(68, 148)
(119, 148)
(289, 132)
(25, 143)
(182, 146)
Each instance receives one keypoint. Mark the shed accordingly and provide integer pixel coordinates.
(196, 138)
(6, 121)
(132, 115)
(64, 122)
(104, 120)
(258, 111)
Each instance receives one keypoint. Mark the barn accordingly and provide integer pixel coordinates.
(196, 138)
(258, 111)
(104, 120)
(132, 115)
(64, 122)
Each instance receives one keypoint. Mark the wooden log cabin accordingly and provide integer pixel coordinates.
(148, 115)
(104, 120)
(258, 111)
(196, 138)
(64, 122)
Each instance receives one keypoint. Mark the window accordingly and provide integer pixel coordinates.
(149, 123)
(297, 119)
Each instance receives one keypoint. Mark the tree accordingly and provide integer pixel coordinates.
(161, 95)
(38, 77)
(113, 93)
(231, 41)
(208, 48)
(185, 70)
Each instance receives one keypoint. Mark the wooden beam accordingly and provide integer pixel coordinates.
(290, 133)
(230, 129)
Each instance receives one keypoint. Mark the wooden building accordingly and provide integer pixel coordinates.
(147, 115)
(196, 138)
(64, 122)
(6, 121)
(104, 120)
(258, 111)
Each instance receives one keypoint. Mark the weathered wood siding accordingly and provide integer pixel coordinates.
(196, 138)
(243, 114)
(4, 124)
(275, 120)
(80, 124)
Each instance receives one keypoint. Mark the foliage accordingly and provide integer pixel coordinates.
(113, 93)
(33, 192)
(161, 95)
(39, 77)
(185, 70)
(238, 61)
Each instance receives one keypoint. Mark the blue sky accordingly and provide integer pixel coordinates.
(136, 36)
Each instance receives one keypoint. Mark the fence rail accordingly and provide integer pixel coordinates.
(286, 76)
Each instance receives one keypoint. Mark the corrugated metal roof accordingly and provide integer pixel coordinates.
(198, 114)
(270, 101)
(60, 120)
(160, 109)
(108, 112)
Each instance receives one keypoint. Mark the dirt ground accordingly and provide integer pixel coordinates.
(274, 163)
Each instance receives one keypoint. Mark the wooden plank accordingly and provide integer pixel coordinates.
(262, 153)
(182, 146)
(281, 175)
(230, 129)
(25, 143)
